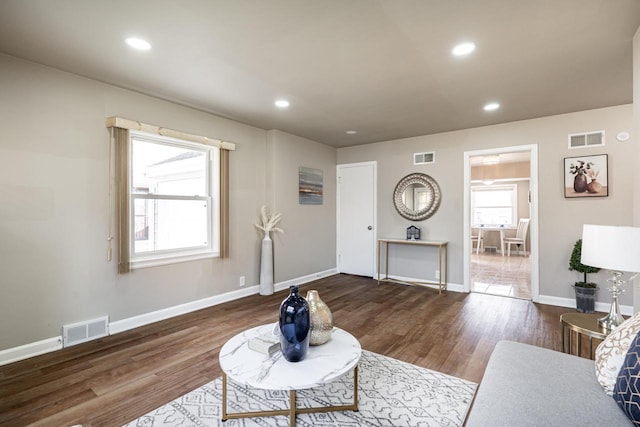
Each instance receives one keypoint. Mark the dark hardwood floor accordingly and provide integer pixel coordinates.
(113, 380)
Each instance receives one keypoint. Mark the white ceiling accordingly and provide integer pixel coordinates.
(381, 67)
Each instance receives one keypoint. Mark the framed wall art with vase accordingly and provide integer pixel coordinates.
(586, 176)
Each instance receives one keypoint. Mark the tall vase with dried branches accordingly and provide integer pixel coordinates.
(266, 257)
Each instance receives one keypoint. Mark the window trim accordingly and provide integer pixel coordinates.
(212, 196)
(514, 200)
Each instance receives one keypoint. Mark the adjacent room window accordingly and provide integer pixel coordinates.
(421, 198)
(173, 200)
(494, 205)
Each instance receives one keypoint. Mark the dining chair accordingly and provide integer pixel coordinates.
(478, 240)
(520, 238)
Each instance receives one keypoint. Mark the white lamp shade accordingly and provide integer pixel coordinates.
(611, 247)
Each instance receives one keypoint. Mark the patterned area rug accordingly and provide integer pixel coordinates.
(391, 393)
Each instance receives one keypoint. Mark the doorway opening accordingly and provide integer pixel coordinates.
(501, 222)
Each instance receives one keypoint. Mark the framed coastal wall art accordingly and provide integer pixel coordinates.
(310, 186)
(586, 176)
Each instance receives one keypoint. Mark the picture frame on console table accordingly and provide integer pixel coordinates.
(586, 176)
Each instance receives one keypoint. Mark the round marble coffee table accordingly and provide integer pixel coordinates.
(323, 364)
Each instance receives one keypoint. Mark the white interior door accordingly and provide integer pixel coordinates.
(356, 218)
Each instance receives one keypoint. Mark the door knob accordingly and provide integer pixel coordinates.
(369, 228)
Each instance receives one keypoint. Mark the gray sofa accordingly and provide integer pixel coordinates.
(525, 385)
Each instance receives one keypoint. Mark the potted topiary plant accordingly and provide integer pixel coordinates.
(585, 291)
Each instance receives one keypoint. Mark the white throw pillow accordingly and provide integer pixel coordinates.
(611, 352)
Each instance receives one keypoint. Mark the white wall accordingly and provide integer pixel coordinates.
(560, 219)
(308, 244)
(54, 213)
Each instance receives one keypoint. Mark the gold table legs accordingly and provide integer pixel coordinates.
(443, 263)
(293, 410)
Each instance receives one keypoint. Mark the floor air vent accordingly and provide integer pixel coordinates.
(424, 158)
(85, 331)
(589, 139)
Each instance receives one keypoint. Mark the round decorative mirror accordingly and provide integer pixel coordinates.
(416, 197)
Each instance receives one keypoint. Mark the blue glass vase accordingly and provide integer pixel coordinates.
(295, 326)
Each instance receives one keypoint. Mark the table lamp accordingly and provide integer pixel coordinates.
(616, 249)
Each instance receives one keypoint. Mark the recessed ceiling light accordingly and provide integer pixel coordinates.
(491, 106)
(137, 43)
(281, 103)
(351, 132)
(463, 49)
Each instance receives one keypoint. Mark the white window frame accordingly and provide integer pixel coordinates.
(416, 197)
(514, 201)
(212, 197)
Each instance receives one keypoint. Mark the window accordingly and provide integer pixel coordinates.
(173, 200)
(421, 196)
(494, 205)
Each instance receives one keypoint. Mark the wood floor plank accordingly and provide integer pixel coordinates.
(113, 380)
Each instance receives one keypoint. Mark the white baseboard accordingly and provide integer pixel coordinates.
(604, 307)
(26, 351)
(169, 312)
(51, 344)
(177, 310)
(304, 279)
(450, 286)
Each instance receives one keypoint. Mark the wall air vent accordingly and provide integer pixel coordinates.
(424, 158)
(85, 331)
(588, 139)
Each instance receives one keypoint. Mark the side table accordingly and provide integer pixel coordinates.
(580, 324)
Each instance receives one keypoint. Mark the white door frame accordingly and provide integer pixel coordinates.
(533, 229)
(374, 164)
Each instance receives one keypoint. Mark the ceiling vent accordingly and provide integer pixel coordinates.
(589, 139)
(424, 158)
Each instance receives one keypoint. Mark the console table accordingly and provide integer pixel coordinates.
(442, 261)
